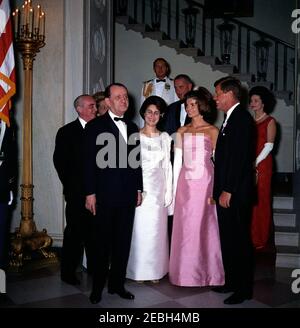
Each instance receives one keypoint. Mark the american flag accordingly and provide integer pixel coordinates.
(7, 62)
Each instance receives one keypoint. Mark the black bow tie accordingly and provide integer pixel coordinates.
(160, 80)
(120, 119)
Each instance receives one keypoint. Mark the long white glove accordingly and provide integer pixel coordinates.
(264, 153)
(176, 170)
(11, 198)
(168, 170)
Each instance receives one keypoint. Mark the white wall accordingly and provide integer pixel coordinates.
(57, 78)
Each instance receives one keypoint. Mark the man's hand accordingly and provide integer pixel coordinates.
(90, 203)
(224, 199)
(139, 199)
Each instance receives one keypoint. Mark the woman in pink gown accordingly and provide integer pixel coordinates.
(195, 258)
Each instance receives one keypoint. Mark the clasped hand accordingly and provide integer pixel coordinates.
(224, 199)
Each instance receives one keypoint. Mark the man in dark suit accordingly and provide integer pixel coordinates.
(176, 115)
(68, 160)
(233, 190)
(113, 178)
(8, 171)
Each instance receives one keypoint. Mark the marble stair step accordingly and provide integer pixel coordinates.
(208, 60)
(170, 43)
(283, 202)
(192, 52)
(286, 237)
(288, 257)
(229, 69)
(284, 218)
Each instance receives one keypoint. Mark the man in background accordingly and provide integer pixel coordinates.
(176, 115)
(68, 160)
(162, 85)
(8, 171)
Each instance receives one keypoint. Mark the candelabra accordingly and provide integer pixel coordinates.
(29, 33)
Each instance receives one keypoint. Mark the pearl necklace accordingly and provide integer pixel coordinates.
(263, 115)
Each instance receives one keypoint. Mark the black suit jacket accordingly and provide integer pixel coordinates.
(68, 159)
(8, 168)
(234, 157)
(115, 184)
(172, 119)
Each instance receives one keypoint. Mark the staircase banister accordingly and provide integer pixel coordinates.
(249, 27)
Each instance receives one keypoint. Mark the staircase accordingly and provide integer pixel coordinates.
(287, 235)
(202, 40)
(286, 227)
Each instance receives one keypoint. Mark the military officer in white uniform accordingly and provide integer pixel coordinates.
(161, 85)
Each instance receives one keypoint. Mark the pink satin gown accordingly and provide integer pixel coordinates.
(195, 258)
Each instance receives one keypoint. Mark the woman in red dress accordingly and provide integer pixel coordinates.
(262, 102)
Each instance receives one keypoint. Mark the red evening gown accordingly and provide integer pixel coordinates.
(262, 223)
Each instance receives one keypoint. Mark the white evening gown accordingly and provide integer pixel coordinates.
(149, 252)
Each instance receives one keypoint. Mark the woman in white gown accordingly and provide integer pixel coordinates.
(149, 253)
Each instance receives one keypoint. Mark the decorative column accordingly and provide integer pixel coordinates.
(29, 29)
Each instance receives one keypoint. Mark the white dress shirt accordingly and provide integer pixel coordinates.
(182, 115)
(120, 125)
(229, 112)
(82, 122)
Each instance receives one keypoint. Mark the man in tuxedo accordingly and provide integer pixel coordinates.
(8, 171)
(68, 160)
(233, 190)
(176, 115)
(113, 178)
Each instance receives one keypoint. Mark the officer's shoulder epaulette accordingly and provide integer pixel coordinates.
(148, 81)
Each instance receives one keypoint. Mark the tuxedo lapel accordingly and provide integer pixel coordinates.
(112, 126)
(177, 115)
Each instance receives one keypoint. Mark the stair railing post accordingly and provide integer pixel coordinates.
(262, 57)
(190, 22)
(156, 7)
(226, 30)
(122, 7)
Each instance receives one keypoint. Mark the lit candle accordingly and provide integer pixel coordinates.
(31, 19)
(37, 18)
(22, 17)
(43, 17)
(26, 14)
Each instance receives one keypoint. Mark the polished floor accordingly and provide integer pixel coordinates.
(42, 288)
